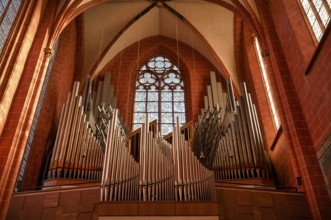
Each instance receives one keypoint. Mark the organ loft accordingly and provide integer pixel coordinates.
(159, 109)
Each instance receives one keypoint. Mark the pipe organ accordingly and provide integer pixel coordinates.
(95, 147)
(225, 144)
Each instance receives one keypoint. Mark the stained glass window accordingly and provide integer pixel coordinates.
(318, 13)
(8, 12)
(159, 94)
(267, 86)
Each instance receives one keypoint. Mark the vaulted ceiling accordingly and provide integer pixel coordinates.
(206, 26)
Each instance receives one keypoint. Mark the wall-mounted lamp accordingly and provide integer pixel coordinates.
(299, 180)
(265, 53)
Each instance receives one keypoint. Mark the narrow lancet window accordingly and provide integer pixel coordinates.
(267, 85)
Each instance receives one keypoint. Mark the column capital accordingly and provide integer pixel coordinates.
(48, 52)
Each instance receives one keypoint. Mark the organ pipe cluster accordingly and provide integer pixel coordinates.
(120, 171)
(212, 121)
(208, 132)
(228, 137)
(240, 153)
(81, 137)
(193, 181)
(156, 179)
(77, 153)
(165, 172)
(100, 104)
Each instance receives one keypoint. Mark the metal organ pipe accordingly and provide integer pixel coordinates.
(120, 171)
(236, 150)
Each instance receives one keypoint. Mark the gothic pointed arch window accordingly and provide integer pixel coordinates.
(159, 94)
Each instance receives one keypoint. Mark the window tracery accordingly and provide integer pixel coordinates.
(159, 94)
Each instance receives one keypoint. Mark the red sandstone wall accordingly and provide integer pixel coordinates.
(22, 104)
(195, 79)
(59, 86)
(313, 90)
(305, 111)
(25, 70)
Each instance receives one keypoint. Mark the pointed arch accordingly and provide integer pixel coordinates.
(159, 94)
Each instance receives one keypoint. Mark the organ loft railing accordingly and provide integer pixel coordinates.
(92, 145)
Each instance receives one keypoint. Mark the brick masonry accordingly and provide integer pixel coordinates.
(286, 27)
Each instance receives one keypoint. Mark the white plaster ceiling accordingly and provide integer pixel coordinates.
(214, 23)
(102, 23)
